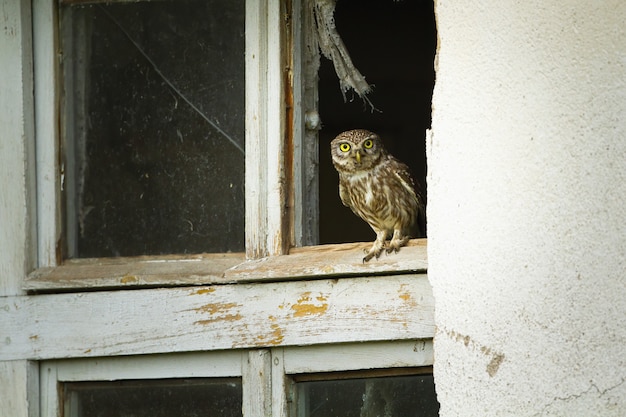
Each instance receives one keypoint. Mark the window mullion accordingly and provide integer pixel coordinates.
(266, 183)
(306, 123)
(256, 382)
(49, 390)
(49, 176)
(280, 396)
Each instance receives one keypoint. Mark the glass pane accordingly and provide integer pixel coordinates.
(166, 398)
(396, 396)
(153, 127)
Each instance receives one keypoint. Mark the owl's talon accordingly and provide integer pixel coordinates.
(374, 252)
(392, 249)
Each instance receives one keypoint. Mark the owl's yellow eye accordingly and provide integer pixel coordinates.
(345, 147)
(368, 144)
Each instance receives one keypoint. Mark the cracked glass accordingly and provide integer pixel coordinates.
(153, 127)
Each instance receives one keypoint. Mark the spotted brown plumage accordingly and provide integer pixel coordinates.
(377, 187)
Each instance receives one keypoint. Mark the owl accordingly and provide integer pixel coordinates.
(377, 187)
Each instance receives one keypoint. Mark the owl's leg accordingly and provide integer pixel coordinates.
(377, 247)
(397, 241)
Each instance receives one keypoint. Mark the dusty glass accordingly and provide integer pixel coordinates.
(152, 123)
(160, 398)
(394, 396)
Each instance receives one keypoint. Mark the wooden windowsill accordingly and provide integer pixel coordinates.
(314, 262)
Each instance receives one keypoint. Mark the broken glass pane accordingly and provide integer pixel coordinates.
(153, 127)
(160, 398)
(394, 396)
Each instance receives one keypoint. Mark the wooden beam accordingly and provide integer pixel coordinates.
(19, 385)
(256, 384)
(216, 317)
(344, 259)
(359, 356)
(266, 188)
(134, 272)
(17, 153)
(49, 179)
(313, 262)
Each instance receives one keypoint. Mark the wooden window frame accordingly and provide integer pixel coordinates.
(268, 375)
(279, 298)
(280, 186)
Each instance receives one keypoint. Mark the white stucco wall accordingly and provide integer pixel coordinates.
(527, 208)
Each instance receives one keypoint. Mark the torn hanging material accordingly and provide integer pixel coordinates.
(333, 48)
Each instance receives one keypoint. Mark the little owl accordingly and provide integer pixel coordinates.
(377, 187)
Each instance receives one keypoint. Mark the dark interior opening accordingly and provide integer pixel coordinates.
(393, 45)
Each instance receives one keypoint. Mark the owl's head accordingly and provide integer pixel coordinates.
(356, 150)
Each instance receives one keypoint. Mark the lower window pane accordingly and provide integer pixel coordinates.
(162, 398)
(396, 396)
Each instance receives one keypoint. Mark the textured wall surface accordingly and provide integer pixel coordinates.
(527, 208)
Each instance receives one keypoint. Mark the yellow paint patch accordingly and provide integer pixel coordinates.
(328, 269)
(227, 317)
(406, 296)
(219, 312)
(274, 338)
(203, 291)
(307, 306)
(216, 308)
(129, 279)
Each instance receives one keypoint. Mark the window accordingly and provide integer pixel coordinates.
(133, 187)
(295, 381)
(411, 395)
(272, 314)
(160, 140)
(169, 397)
(153, 133)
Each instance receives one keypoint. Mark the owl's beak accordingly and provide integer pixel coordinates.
(358, 157)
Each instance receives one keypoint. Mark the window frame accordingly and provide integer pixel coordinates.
(281, 187)
(268, 375)
(127, 295)
(279, 149)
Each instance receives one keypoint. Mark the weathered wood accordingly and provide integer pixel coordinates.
(136, 272)
(175, 365)
(174, 270)
(278, 180)
(305, 64)
(49, 179)
(216, 317)
(18, 250)
(344, 259)
(49, 391)
(256, 383)
(256, 131)
(266, 184)
(17, 170)
(280, 385)
(18, 388)
(359, 356)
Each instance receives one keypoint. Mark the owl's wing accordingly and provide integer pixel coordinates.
(343, 194)
(403, 173)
